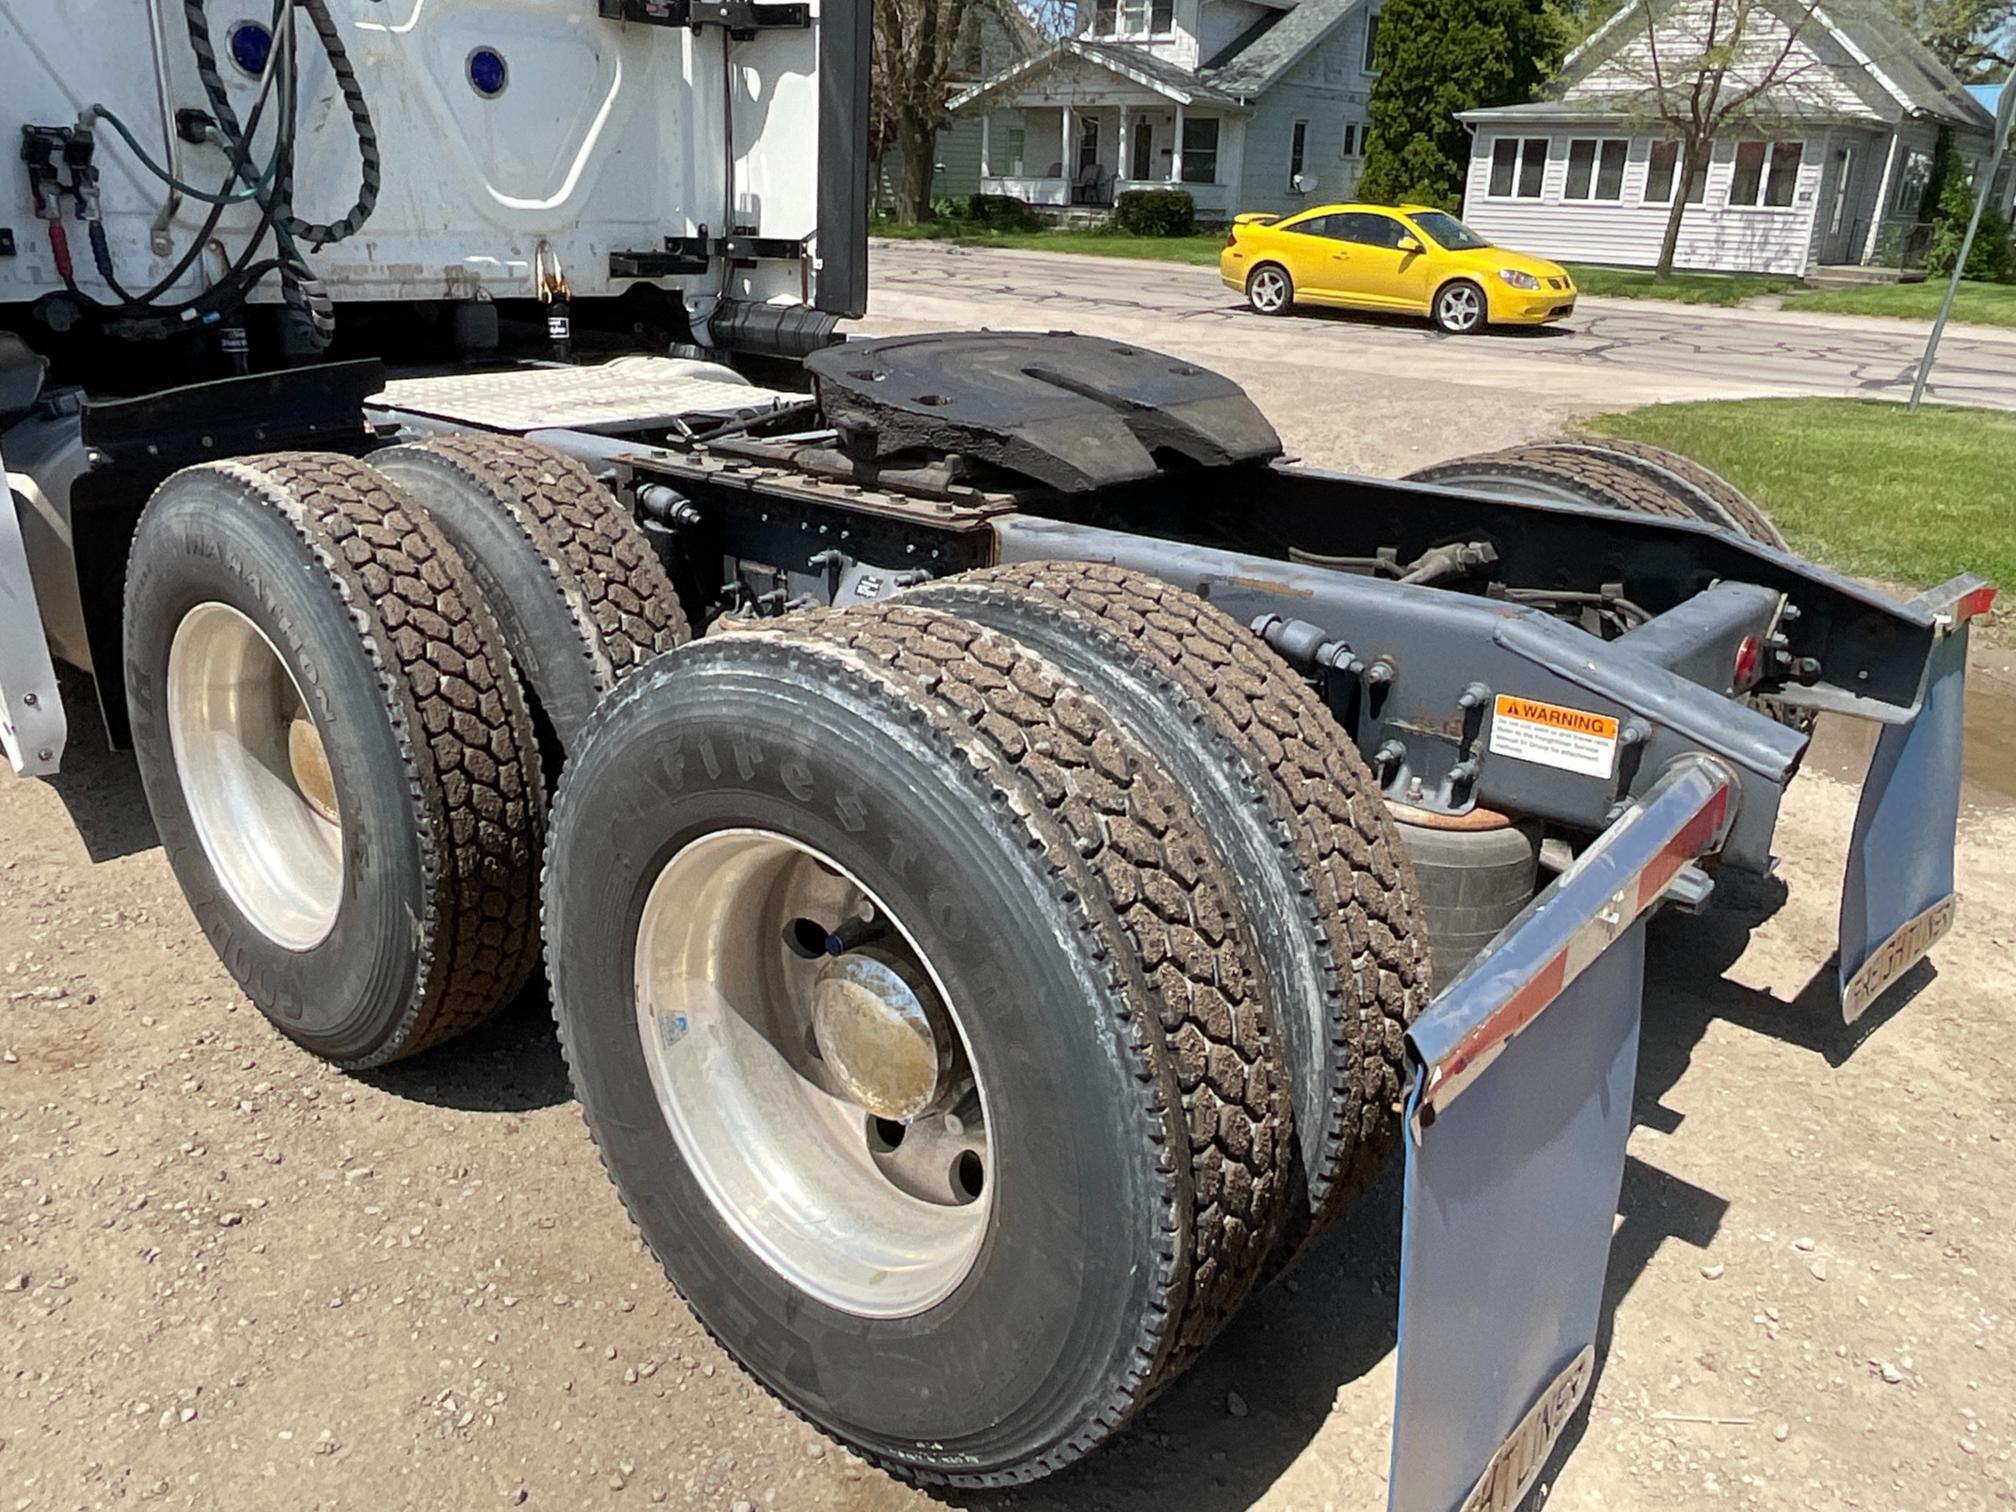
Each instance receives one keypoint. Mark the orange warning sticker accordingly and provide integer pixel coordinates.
(1573, 740)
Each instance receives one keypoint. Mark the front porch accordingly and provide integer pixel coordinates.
(1084, 125)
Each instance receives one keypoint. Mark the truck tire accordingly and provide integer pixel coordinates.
(295, 616)
(1627, 481)
(1743, 515)
(1291, 807)
(724, 808)
(1534, 473)
(580, 596)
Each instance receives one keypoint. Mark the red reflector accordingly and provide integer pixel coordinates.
(1232, 237)
(1747, 655)
(1978, 601)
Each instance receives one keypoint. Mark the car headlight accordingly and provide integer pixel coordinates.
(1517, 279)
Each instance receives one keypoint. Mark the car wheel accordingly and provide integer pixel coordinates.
(1459, 308)
(1270, 291)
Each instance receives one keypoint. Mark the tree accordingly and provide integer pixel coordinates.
(1436, 57)
(920, 46)
(1712, 67)
(1974, 38)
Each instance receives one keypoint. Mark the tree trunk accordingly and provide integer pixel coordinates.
(1690, 153)
(917, 138)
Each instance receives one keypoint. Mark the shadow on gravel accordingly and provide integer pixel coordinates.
(98, 785)
(510, 1065)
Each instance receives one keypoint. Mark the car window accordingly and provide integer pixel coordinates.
(1311, 225)
(1369, 230)
(1448, 232)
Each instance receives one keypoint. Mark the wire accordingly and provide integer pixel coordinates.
(187, 190)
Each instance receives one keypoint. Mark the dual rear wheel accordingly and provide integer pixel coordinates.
(972, 997)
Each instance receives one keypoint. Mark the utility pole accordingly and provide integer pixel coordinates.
(1998, 145)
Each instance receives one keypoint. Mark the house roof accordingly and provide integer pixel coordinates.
(1136, 64)
(1247, 66)
(1904, 65)
(1258, 56)
(1901, 65)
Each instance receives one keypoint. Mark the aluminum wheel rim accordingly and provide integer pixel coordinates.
(236, 722)
(1460, 307)
(804, 1175)
(1270, 290)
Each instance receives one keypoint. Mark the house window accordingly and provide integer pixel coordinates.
(1748, 180)
(1371, 40)
(1013, 139)
(1298, 141)
(1162, 17)
(1354, 141)
(1088, 143)
(1911, 184)
(1104, 14)
(1518, 167)
(1200, 150)
(1783, 180)
(1595, 168)
(1660, 169)
(1133, 17)
(1766, 173)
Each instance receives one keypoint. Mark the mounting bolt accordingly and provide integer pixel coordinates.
(30, 699)
(1380, 672)
(1635, 732)
(1392, 753)
(1474, 697)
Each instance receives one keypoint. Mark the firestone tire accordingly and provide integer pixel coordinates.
(580, 596)
(1319, 867)
(939, 795)
(378, 898)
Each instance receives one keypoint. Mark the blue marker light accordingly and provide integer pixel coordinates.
(487, 72)
(251, 44)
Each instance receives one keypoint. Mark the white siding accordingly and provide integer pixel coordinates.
(1818, 73)
(1714, 234)
(1326, 88)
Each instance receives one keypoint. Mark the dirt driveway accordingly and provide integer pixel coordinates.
(231, 1278)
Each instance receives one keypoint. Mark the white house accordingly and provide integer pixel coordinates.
(1829, 167)
(1247, 104)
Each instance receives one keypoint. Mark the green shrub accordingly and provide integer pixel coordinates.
(1993, 257)
(1002, 212)
(1155, 212)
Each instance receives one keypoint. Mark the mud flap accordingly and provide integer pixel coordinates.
(1517, 1124)
(32, 725)
(1898, 900)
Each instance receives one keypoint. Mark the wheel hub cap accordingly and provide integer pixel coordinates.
(877, 1036)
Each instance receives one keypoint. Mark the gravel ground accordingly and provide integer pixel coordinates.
(230, 1277)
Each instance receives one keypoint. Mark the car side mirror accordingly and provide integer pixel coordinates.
(1408, 244)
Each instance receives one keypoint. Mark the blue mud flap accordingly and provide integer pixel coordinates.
(1525, 1067)
(1897, 900)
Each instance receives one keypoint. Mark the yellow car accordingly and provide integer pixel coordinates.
(1379, 257)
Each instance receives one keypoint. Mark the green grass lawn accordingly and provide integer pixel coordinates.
(1200, 250)
(1862, 485)
(1684, 288)
(1979, 303)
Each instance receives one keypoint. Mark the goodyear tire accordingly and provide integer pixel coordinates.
(1292, 808)
(339, 763)
(762, 786)
(580, 596)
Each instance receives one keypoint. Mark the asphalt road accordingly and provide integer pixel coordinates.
(1611, 353)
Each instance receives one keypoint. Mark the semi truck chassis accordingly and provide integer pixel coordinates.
(1088, 581)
